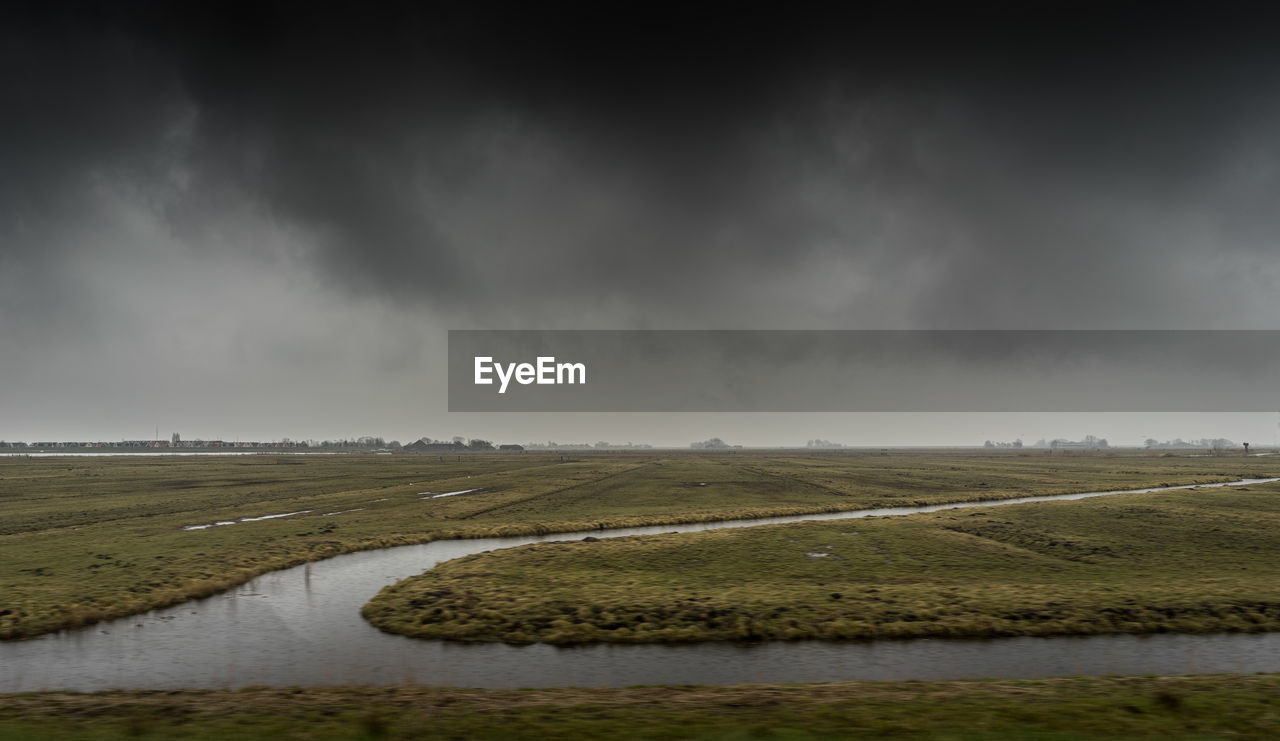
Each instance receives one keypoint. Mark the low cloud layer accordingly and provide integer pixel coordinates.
(287, 182)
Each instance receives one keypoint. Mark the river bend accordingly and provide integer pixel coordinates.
(302, 626)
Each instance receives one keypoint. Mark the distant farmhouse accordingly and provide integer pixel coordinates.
(427, 445)
(457, 445)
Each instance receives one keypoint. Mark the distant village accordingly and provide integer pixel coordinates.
(459, 444)
(1092, 442)
(376, 444)
(172, 443)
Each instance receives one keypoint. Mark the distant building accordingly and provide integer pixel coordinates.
(427, 445)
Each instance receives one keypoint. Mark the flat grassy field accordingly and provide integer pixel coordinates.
(1201, 708)
(82, 539)
(1189, 560)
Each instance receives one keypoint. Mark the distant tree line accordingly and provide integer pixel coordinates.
(821, 444)
(1091, 442)
(714, 443)
(1014, 444)
(1179, 444)
(600, 445)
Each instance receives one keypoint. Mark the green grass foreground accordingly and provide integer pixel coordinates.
(1190, 560)
(84, 539)
(1203, 708)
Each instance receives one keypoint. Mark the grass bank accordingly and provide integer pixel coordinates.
(1203, 708)
(1188, 561)
(84, 539)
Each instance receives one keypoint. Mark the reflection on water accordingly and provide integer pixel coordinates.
(302, 626)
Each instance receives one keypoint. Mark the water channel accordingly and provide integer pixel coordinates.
(302, 626)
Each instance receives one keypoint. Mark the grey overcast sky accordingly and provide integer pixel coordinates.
(259, 219)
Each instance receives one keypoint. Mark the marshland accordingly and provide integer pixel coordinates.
(89, 539)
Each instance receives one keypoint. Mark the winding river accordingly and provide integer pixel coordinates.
(302, 626)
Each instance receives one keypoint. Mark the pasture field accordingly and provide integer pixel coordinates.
(1188, 560)
(1204, 708)
(88, 538)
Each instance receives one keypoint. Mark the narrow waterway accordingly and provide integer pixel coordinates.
(302, 626)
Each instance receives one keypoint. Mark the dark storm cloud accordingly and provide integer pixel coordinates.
(80, 101)
(941, 165)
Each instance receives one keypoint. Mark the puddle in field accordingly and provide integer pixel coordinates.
(249, 519)
(431, 495)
